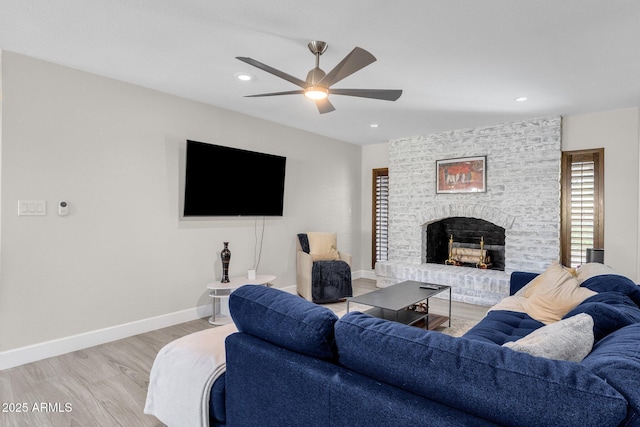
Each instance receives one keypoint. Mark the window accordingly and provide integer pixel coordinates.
(582, 225)
(380, 199)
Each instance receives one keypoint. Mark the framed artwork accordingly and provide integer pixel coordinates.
(462, 175)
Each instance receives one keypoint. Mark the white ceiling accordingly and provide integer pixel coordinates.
(461, 63)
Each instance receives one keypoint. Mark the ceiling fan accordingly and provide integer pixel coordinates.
(318, 84)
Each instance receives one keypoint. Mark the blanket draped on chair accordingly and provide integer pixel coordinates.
(330, 281)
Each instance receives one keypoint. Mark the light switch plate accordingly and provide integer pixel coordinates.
(32, 207)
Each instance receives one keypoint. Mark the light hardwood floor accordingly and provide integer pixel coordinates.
(106, 385)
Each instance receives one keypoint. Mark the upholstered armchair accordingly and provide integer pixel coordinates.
(323, 274)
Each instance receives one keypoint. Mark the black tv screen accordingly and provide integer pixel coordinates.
(225, 181)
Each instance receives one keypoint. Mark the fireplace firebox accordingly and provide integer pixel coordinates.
(465, 233)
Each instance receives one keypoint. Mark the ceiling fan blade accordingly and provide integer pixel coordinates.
(384, 94)
(271, 70)
(324, 106)
(289, 92)
(356, 60)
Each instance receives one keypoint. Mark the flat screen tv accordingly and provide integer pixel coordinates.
(225, 181)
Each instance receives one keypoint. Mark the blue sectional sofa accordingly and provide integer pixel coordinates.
(293, 363)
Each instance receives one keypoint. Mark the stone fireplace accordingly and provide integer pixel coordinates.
(465, 233)
(522, 199)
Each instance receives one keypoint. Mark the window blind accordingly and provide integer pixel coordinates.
(583, 204)
(582, 211)
(380, 215)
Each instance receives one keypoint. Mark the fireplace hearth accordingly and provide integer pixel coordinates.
(468, 236)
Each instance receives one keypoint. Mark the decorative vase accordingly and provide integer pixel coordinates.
(225, 254)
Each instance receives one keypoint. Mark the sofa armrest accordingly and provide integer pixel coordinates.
(304, 265)
(519, 279)
(345, 257)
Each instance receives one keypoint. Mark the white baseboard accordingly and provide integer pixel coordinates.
(364, 274)
(44, 350)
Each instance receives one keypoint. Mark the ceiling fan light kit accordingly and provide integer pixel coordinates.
(316, 92)
(317, 85)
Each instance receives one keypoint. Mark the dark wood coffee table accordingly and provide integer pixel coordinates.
(391, 303)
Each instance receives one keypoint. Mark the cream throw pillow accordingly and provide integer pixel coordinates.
(555, 270)
(555, 293)
(323, 246)
(569, 339)
(591, 269)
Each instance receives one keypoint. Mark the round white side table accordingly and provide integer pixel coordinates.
(221, 291)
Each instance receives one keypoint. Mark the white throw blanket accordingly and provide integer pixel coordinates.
(182, 375)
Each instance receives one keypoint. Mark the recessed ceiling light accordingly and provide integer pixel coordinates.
(245, 77)
(521, 99)
(374, 125)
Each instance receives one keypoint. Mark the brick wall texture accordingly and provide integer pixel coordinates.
(523, 196)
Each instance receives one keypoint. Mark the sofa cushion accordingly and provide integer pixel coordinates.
(519, 279)
(610, 311)
(323, 246)
(614, 283)
(551, 295)
(304, 242)
(483, 379)
(616, 359)
(569, 339)
(284, 319)
(592, 269)
(501, 326)
(554, 276)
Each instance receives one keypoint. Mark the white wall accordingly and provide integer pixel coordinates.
(114, 152)
(617, 132)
